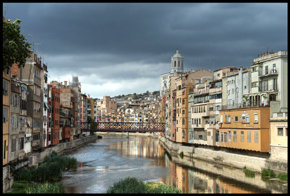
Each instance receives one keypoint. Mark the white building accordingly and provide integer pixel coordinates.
(269, 80)
(45, 106)
(238, 84)
(176, 67)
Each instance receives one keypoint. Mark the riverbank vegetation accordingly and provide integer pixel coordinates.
(268, 174)
(133, 185)
(44, 178)
(249, 173)
(25, 187)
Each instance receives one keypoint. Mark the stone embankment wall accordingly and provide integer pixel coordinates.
(223, 158)
(225, 164)
(37, 158)
(61, 148)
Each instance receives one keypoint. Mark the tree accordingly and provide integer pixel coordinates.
(15, 47)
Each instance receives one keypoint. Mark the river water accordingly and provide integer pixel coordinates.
(113, 158)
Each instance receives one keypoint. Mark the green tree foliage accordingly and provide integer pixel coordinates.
(15, 46)
(133, 185)
(50, 170)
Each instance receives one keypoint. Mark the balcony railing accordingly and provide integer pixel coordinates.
(271, 72)
(201, 92)
(227, 107)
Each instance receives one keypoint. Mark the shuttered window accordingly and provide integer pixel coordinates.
(256, 137)
(242, 136)
(21, 146)
(235, 136)
(5, 115)
(5, 88)
(13, 147)
(249, 136)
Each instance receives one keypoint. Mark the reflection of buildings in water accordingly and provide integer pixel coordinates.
(225, 187)
(139, 147)
(182, 179)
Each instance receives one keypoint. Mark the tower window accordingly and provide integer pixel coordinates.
(174, 63)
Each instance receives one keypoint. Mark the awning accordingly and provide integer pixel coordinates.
(23, 86)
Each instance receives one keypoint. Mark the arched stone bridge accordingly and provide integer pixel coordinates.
(122, 127)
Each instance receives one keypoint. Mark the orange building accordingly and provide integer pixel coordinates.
(182, 110)
(5, 114)
(55, 114)
(245, 128)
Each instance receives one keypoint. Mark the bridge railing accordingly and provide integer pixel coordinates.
(123, 126)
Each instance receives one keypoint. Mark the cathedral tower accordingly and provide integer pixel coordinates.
(176, 63)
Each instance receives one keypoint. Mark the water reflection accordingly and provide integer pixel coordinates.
(102, 164)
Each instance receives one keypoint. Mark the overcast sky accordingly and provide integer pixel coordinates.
(122, 48)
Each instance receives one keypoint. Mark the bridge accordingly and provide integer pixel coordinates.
(122, 127)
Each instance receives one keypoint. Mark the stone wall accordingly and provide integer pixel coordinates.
(62, 148)
(233, 160)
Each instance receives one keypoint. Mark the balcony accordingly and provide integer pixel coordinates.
(200, 92)
(271, 72)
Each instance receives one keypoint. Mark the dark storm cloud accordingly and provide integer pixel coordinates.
(118, 41)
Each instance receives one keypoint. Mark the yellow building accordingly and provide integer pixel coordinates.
(5, 114)
(182, 110)
(245, 128)
(279, 136)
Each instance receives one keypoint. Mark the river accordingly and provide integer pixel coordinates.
(113, 158)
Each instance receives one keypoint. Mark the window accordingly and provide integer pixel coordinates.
(242, 136)
(36, 137)
(229, 118)
(249, 136)
(256, 137)
(183, 101)
(225, 134)
(200, 137)
(265, 85)
(221, 118)
(183, 133)
(226, 118)
(275, 84)
(183, 111)
(247, 118)
(266, 69)
(280, 131)
(235, 136)
(222, 137)
(21, 143)
(13, 148)
(14, 121)
(230, 136)
(236, 118)
(256, 118)
(217, 136)
(274, 68)
(183, 121)
(5, 115)
(5, 88)
(4, 149)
